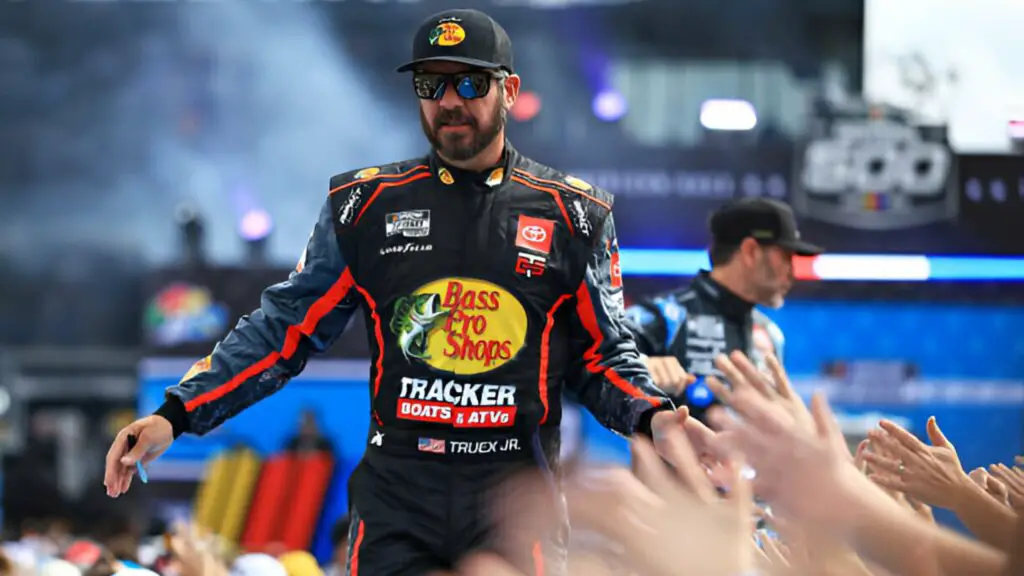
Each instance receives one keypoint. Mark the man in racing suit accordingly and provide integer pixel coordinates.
(753, 242)
(483, 284)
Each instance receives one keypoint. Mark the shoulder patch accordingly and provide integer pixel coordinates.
(367, 173)
(351, 192)
(390, 172)
(578, 215)
(348, 204)
(578, 184)
(587, 206)
(584, 205)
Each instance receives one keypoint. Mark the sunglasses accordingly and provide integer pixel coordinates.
(468, 85)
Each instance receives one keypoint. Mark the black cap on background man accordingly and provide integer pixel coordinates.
(770, 222)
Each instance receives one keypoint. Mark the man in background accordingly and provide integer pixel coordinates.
(339, 546)
(309, 439)
(753, 242)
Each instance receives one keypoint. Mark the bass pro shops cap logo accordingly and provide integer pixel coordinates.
(182, 314)
(460, 325)
(876, 174)
(447, 33)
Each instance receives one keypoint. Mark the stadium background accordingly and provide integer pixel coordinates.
(162, 162)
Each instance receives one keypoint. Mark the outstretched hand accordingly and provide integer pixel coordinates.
(930, 474)
(664, 519)
(796, 462)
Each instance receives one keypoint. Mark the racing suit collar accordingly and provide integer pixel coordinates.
(727, 302)
(488, 179)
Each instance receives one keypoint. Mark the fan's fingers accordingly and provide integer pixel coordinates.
(904, 437)
(752, 375)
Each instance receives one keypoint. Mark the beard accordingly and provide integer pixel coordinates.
(463, 146)
(770, 287)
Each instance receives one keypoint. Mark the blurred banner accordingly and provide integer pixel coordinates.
(971, 205)
(852, 193)
(187, 311)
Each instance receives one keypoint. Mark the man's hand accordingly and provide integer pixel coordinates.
(153, 436)
(930, 474)
(669, 375)
(700, 437)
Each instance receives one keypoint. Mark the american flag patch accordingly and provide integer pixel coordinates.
(431, 445)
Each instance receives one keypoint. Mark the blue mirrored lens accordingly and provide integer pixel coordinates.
(466, 89)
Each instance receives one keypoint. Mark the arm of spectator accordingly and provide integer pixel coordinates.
(994, 487)
(812, 479)
(1016, 566)
(665, 520)
(1013, 480)
(195, 552)
(806, 552)
(988, 519)
(933, 474)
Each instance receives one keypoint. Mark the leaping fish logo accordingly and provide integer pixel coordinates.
(415, 317)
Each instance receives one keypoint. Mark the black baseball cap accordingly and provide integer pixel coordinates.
(764, 220)
(465, 36)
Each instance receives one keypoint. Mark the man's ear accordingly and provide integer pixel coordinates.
(512, 84)
(749, 250)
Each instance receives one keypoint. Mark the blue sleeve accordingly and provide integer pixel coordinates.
(302, 315)
(656, 324)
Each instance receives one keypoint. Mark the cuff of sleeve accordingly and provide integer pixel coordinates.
(173, 410)
(643, 427)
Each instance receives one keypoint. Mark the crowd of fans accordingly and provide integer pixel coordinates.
(693, 505)
(48, 548)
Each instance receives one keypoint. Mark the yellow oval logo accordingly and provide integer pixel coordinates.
(495, 177)
(367, 173)
(577, 183)
(446, 176)
(447, 34)
(460, 325)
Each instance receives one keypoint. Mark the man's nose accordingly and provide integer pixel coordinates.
(450, 98)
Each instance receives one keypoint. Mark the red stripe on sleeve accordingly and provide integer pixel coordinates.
(293, 334)
(585, 309)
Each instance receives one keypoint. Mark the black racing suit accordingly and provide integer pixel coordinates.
(484, 294)
(697, 322)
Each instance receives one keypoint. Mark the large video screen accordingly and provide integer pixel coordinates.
(859, 187)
